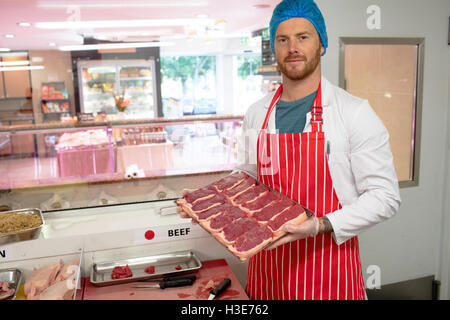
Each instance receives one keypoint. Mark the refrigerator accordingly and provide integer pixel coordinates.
(135, 79)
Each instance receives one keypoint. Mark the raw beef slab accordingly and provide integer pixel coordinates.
(241, 213)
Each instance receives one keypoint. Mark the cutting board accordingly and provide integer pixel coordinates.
(208, 277)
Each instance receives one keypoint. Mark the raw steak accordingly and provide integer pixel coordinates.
(213, 211)
(250, 194)
(229, 181)
(278, 221)
(242, 186)
(225, 218)
(252, 238)
(208, 203)
(192, 196)
(261, 202)
(244, 215)
(238, 227)
(272, 210)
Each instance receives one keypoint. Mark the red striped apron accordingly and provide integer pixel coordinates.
(295, 164)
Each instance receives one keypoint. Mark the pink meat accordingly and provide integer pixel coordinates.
(245, 184)
(201, 205)
(40, 279)
(69, 269)
(229, 181)
(261, 201)
(273, 209)
(192, 196)
(213, 211)
(252, 238)
(226, 218)
(237, 228)
(5, 290)
(250, 194)
(285, 216)
(62, 290)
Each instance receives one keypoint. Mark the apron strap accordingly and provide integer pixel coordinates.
(316, 111)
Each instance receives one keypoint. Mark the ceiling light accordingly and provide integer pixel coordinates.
(15, 63)
(121, 23)
(147, 4)
(52, 44)
(9, 36)
(122, 45)
(5, 49)
(24, 24)
(202, 16)
(21, 68)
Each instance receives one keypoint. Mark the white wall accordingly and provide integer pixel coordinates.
(411, 244)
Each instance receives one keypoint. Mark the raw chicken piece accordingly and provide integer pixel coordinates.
(62, 290)
(69, 269)
(5, 290)
(40, 279)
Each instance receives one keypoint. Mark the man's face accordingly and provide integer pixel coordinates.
(297, 48)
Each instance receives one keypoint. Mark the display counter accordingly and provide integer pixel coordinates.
(111, 233)
(96, 163)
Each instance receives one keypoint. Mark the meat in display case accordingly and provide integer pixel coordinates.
(103, 82)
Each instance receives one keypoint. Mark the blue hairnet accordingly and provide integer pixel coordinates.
(307, 9)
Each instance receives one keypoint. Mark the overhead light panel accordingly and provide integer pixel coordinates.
(5, 49)
(14, 63)
(9, 36)
(121, 4)
(122, 23)
(21, 68)
(24, 24)
(109, 46)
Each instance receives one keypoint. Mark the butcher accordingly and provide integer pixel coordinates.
(325, 149)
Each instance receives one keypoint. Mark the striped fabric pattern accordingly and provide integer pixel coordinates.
(314, 268)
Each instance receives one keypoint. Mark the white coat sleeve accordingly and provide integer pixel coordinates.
(374, 175)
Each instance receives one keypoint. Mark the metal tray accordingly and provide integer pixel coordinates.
(164, 265)
(22, 235)
(14, 277)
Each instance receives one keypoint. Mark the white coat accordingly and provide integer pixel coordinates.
(360, 159)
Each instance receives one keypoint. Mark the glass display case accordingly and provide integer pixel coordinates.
(101, 80)
(117, 162)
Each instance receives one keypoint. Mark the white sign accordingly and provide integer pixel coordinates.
(170, 232)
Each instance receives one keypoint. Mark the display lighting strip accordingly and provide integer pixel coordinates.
(147, 4)
(109, 46)
(14, 63)
(122, 23)
(21, 68)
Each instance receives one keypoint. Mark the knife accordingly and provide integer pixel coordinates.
(169, 283)
(219, 289)
(169, 278)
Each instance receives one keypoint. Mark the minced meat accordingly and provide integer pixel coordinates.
(13, 222)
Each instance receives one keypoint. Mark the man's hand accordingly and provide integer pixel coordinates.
(310, 228)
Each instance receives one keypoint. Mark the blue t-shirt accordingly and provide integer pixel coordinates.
(290, 117)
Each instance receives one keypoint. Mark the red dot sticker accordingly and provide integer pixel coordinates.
(149, 235)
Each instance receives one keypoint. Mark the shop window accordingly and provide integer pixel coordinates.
(388, 73)
(188, 85)
(249, 84)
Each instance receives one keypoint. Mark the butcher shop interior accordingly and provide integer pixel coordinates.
(116, 115)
